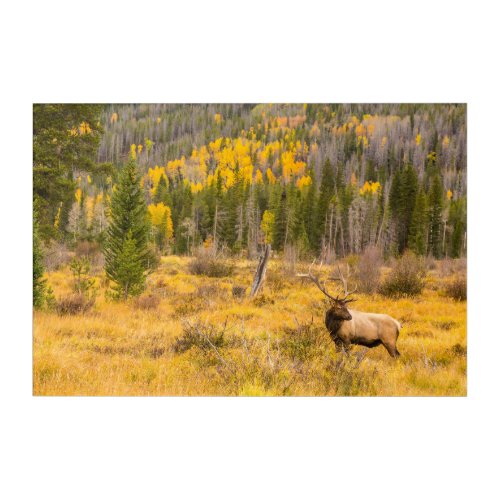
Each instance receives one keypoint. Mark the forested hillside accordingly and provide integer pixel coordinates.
(314, 179)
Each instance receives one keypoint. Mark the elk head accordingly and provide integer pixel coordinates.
(338, 305)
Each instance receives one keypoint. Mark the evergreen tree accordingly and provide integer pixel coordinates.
(458, 220)
(39, 283)
(326, 192)
(309, 210)
(280, 228)
(402, 199)
(161, 193)
(65, 136)
(418, 226)
(127, 235)
(128, 268)
(435, 216)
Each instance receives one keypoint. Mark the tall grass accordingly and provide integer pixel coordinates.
(196, 338)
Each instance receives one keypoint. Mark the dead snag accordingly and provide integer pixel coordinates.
(260, 273)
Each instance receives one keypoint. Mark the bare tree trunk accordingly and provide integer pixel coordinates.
(260, 273)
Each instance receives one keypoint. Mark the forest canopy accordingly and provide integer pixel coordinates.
(322, 179)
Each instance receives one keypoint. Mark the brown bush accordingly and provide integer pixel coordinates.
(146, 302)
(74, 304)
(55, 256)
(239, 291)
(457, 289)
(406, 278)
(90, 250)
(206, 263)
(368, 271)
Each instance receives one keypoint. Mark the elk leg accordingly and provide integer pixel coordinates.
(341, 346)
(391, 349)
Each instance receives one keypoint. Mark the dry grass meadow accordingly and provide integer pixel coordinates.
(190, 336)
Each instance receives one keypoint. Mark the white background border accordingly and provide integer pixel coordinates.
(259, 51)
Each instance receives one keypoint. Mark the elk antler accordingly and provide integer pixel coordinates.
(315, 280)
(343, 280)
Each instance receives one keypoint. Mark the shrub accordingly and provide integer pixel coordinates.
(406, 278)
(457, 289)
(76, 303)
(55, 256)
(147, 302)
(239, 291)
(90, 250)
(207, 263)
(210, 292)
(303, 342)
(203, 336)
(368, 272)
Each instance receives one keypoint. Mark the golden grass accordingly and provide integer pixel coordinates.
(121, 349)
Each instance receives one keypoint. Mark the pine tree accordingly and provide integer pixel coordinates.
(280, 223)
(435, 216)
(418, 226)
(326, 192)
(128, 268)
(39, 283)
(161, 193)
(402, 199)
(127, 235)
(309, 210)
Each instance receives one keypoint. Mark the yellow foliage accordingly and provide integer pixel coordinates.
(370, 187)
(196, 188)
(133, 153)
(149, 144)
(89, 209)
(139, 148)
(270, 176)
(449, 194)
(114, 118)
(446, 141)
(418, 139)
(290, 166)
(58, 216)
(158, 120)
(217, 118)
(267, 226)
(161, 216)
(84, 128)
(354, 179)
(304, 181)
(78, 195)
(258, 177)
(89, 179)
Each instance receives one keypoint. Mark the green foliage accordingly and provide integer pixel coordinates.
(436, 201)
(326, 191)
(82, 282)
(65, 136)
(39, 283)
(126, 248)
(418, 226)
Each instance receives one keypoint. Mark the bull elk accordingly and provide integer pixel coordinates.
(347, 326)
